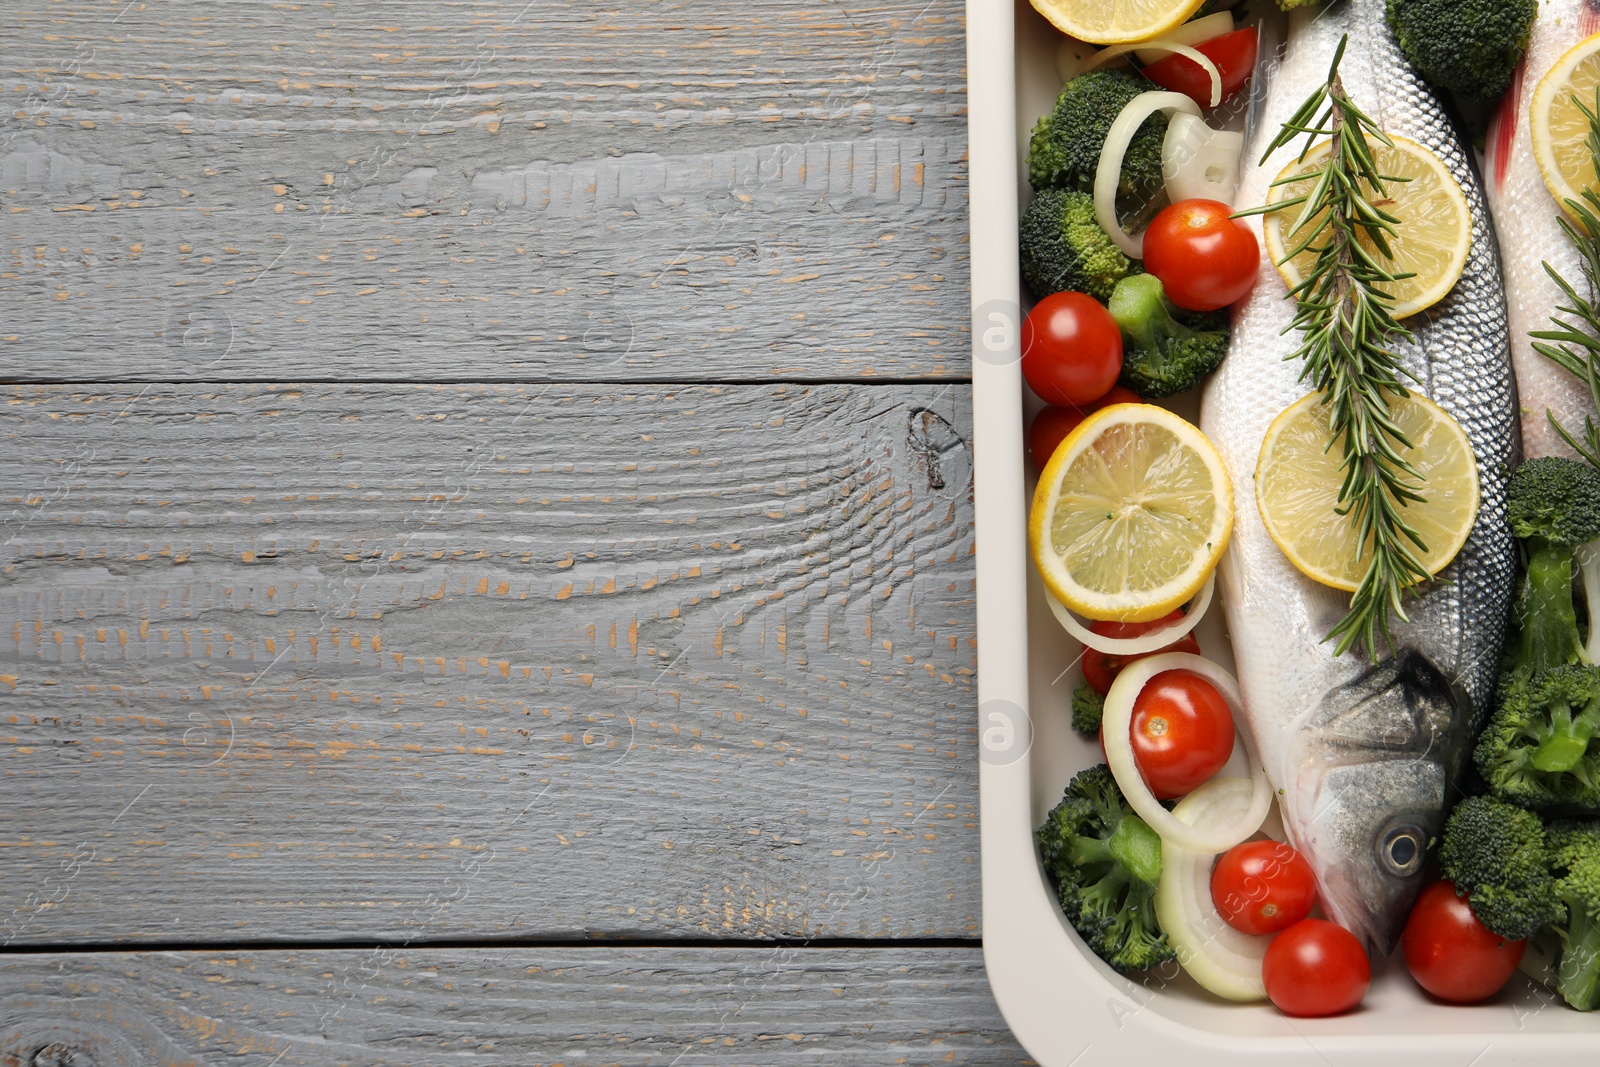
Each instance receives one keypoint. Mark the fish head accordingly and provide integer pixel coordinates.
(1374, 766)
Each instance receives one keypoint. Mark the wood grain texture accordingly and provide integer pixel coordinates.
(482, 190)
(442, 662)
(514, 1006)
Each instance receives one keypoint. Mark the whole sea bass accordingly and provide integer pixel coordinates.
(1525, 216)
(1364, 758)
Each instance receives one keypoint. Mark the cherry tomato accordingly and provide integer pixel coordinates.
(1450, 953)
(1182, 732)
(1205, 259)
(1100, 669)
(1071, 349)
(1233, 53)
(1052, 424)
(1316, 968)
(1261, 887)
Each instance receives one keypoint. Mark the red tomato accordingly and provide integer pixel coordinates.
(1205, 259)
(1316, 968)
(1233, 53)
(1182, 732)
(1449, 952)
(1052, 424)
(1261, 887)
(1071, 349)
(1100, 669)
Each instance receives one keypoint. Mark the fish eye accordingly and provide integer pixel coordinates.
(1400, 849)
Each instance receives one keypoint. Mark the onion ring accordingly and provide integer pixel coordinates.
(1108, 172)
(1222, 959)
(1115, 728)
(1195, 31)
(1153, 641)
(1199, 162)
(1162, 44)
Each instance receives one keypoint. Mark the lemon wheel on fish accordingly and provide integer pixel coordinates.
(1131, 514)
(1430, 242)
(1557, 125)
(1298, 478)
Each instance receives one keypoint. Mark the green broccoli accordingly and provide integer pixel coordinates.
(1064, 151)
(1495, 854)
(1088, 708)
(1553, 506)
(1470, 47)
(1161, 355)
(1535, 749)
(1064, 248)
(1574, 855)
(1105, 862)
(1290, 5)
(1540, 750)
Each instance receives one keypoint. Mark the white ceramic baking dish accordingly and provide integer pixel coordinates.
(1063, 1003)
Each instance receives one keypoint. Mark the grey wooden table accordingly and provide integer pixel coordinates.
(486, 498)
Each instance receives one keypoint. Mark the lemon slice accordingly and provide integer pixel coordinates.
(1116, 21)
(1559, 130)
(1131, 514)
(1298, 480)
(1431, 239)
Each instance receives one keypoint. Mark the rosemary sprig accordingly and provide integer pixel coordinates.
(1578, 347)
(1346, 317)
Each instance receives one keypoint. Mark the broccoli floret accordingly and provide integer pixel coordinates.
(1555, 499)
(1290, 5)
(1105, 862)
(1064, 151)
(1088, 708)
(1540, 749)
(1574, 853)
(1064, 248)
(1495, 854)
(1553, 505)
(1161, 355)
(1470, 47)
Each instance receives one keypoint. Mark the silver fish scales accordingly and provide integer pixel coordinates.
(1527, 218)
(1365, 757)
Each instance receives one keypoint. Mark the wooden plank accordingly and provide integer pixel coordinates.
(515, 1006)
(326, 662)
(483, 190)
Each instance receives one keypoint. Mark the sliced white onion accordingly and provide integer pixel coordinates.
(1118, 719)
(1136, 646)
(1108, 172)
(1192, 33)
(1160, 44)
(1199, 162)
(1222, 959)
(1157, 48)
(1071, 55)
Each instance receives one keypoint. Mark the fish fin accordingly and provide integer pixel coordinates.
(1502, 133)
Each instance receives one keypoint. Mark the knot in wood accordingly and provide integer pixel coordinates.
(57, 1054)
(930, 437)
